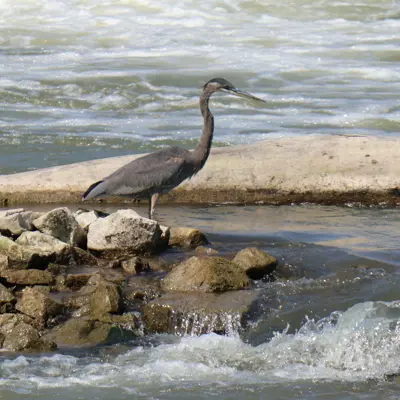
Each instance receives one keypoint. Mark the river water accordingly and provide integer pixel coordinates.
(85, 79)
(333, 332)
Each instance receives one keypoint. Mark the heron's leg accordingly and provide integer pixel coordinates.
(152, 204)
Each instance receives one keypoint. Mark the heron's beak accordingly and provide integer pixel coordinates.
(242, 93)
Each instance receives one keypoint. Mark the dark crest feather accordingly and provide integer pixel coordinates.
(223, 82)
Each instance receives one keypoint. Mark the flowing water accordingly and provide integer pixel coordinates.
(84, 79)
(331, 333)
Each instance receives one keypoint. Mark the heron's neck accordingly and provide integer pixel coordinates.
(202, 150)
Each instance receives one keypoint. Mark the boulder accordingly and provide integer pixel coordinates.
(19, 256)
(61, 224)
(36, 302)
(204, 250)
(19, 335)
(47, 247)
(182, 236)
(85, 218)
(124, 233)
(27, 277)
(86, 332)
(14, 222)
(206, 274)
(200, 313)
(5, 295)
(3, 262)
(255, 262)
(53, 250)
(104, 299)
(135, 265)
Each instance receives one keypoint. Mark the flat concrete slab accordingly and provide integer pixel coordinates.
(316, 168)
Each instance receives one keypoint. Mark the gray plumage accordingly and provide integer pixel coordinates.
(157, 173)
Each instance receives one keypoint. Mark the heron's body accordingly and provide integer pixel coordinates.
(157, 173)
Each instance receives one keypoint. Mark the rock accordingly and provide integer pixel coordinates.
(80, 299)
(204, 250)
(206, 274)
(53, 250)
(165, 234)
(77, 281)
(106, 275)
(135, 265)
(36, 302)
(82, 257)
(199, 313)
(19, 256)
(181, 236)
(20, 335)
(5, 295)
(158, 264)
(104, 299)
(285, 271)
(11, 211)
(47, 247)
(3, 262)
(140, 290)
(124, 233)
(130, 321)
(61, 224)
(27, 277)
(86, 332)
(9, 321)
(256, 263)
(14, 222)
(84, 219)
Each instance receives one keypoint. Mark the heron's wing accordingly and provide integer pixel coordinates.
(155, 172)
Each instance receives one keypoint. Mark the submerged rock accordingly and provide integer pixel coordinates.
(255, 262)
(61, 224)
(124, 233)
(199, 313)
(182, 236)
(86, 332)
(206, 274)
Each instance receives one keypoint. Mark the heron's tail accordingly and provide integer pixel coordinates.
(93, 191)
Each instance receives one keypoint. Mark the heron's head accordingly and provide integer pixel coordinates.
(221, 84)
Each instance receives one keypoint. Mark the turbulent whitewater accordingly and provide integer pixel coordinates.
(90, 79)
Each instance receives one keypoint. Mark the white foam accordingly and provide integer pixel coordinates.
(359, 344)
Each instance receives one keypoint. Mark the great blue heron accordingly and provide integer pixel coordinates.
(158, 173)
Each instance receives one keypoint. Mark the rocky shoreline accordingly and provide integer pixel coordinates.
(321, 169)
(88, 278)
